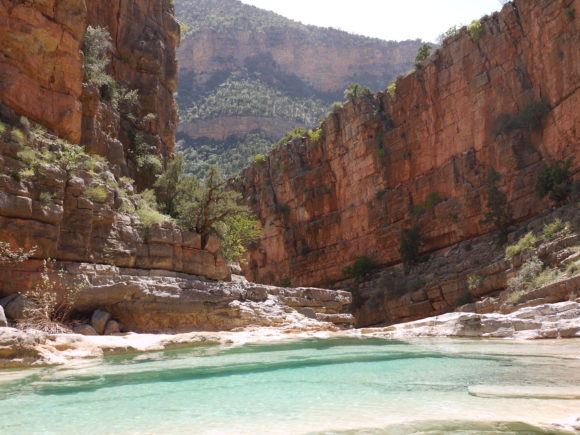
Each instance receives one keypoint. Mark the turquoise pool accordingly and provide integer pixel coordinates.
(346, 385)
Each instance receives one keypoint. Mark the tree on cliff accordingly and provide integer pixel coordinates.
(422, 54)
(356, 91)
(498, 212)
(208, 207)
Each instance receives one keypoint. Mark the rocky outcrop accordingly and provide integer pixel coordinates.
(419, 154)
(560, 320)
(41, 64)
(155, 300)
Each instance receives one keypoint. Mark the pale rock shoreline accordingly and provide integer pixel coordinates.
(20, 348)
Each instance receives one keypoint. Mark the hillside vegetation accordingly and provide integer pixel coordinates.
(240, 61)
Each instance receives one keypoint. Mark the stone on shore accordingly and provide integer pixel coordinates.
(3, 321)
(112, 327)
(99, 321)
(85, 329)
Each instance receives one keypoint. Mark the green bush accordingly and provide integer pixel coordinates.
(237, 233)
(409, 246)
(433, 198)
(531, 276)
(531, 117)
(18, 136)
(525, 244)
(570, 13)
(259, 158)
(97, 193)
(296, 133)
(452, 31)
(422, 54)
(356, 91)
(2, 129)
(361, 267)
(147, 210)
(474, 281)
(150, 163)
(336, 107)
(392, 89)
(96, 47)
(554, 228)
(555, 181)
(283, 209)
(316, 136)
(475, 30)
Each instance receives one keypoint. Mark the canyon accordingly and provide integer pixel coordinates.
(417, 157)
(78, 206)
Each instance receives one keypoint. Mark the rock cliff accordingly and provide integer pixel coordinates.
(500, 95)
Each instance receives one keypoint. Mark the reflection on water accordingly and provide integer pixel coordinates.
(369, 386)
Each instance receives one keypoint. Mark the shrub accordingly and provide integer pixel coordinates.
(554, 228)
(497, 212)
(356, 91)
(452, 31)
(150, 163)
(409, 246)
(10, 256)
(52, 300)
(433, 198)
(531, 276)
(474, 281)
(555, 181)
(97, 193)
(18, 136)
(362, 266)
(2, 129)
(237, 233)
(316, 136)
(285, 282)
(291, 135)
(26, 173)
(475, 30)
(531, 116)
(422, 53)
(525, 244)
(392, 89)
(147, 210)
(570, 13)
(45, 197)
(259, 158)
(336, 107)
(96, 47)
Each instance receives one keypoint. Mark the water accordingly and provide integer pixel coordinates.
(309, 386)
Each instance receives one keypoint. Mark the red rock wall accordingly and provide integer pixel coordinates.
(324, 205)
(42, 76)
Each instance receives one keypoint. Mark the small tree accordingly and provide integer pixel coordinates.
(356, 91)
(96, 48)
(237, 233)
(167, 185)
(555, 182)
(497, 207)
(205, 207)
(409, 246)
(422, 54)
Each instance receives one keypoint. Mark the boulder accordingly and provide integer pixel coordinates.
(112, 327)
(3, 321)
(84, 329)
(99, 321)
(15, 305)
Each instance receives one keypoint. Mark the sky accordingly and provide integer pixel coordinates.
(384, 19)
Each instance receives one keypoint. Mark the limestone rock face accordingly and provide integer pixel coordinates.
(351, 194)
(161, 301)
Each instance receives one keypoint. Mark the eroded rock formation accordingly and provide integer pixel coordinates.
(437, 135)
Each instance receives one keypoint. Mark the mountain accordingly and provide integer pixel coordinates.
(248, 75)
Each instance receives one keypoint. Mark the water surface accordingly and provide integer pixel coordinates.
(308, 386)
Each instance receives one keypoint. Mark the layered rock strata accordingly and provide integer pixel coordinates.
(161, 301)
(419, 155)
